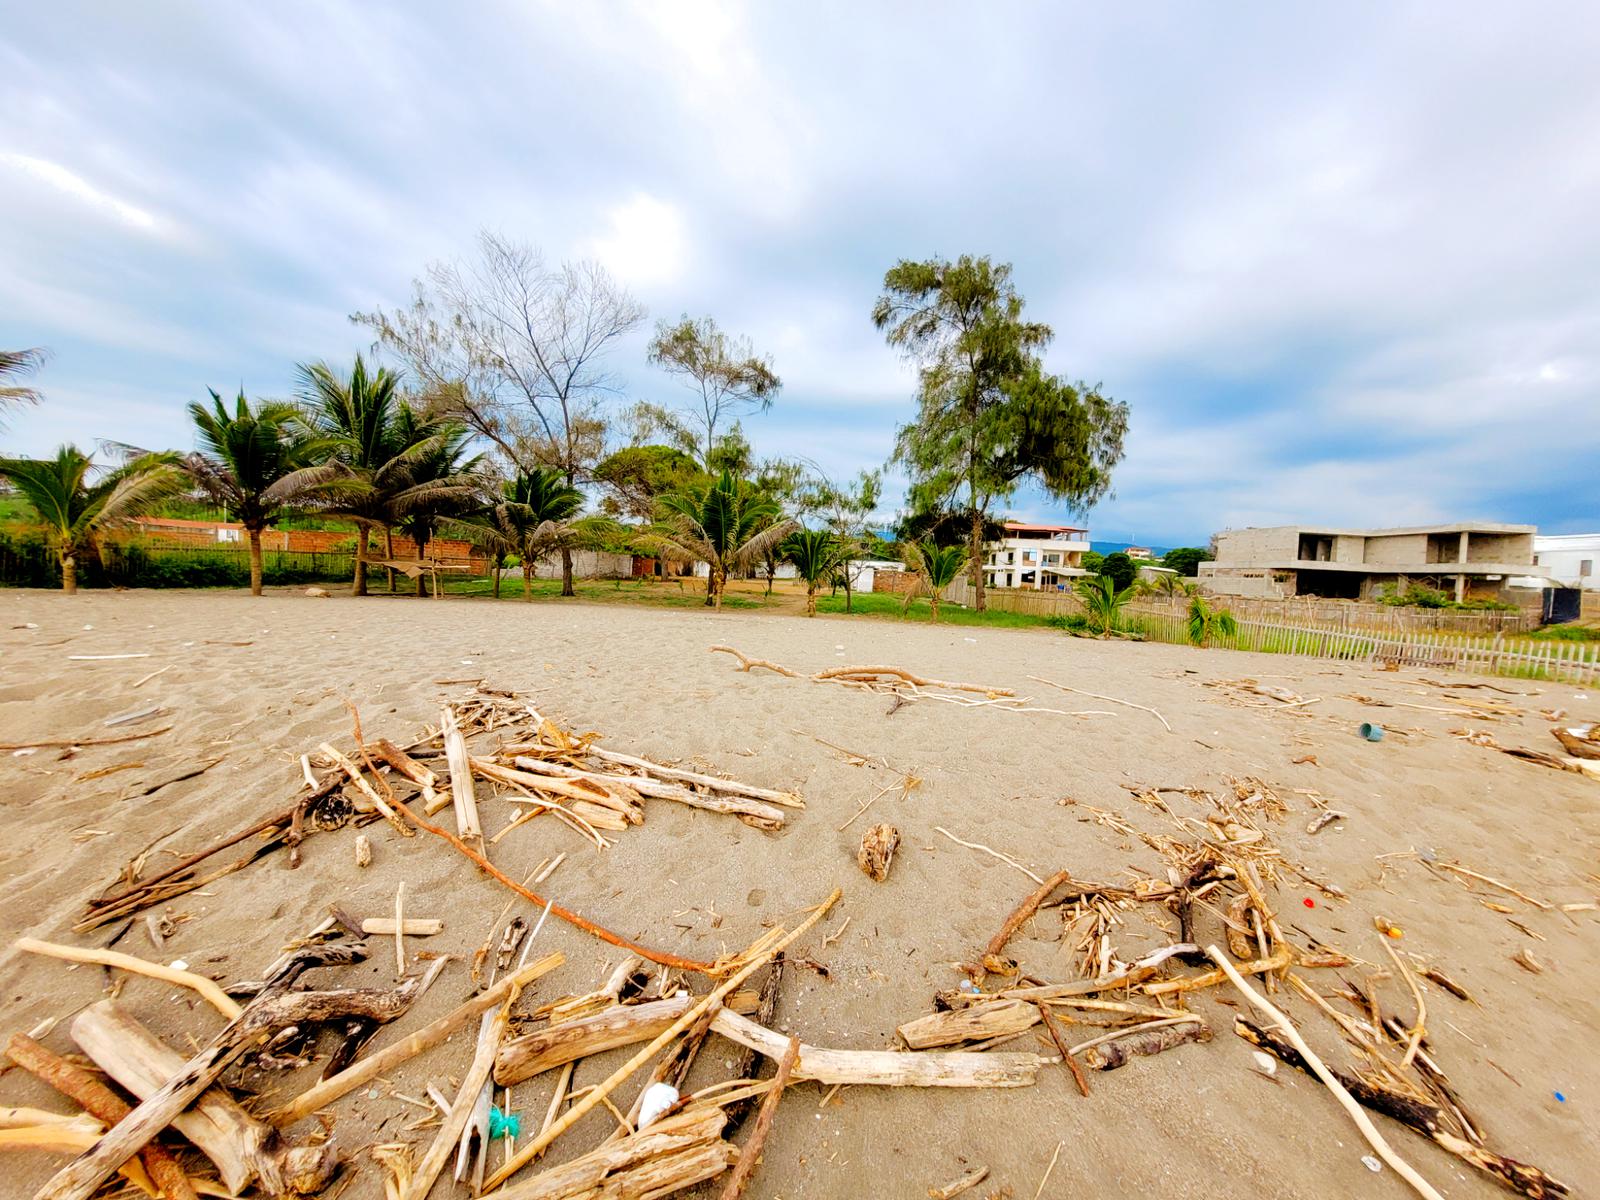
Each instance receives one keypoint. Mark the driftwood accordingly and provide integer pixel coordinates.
(331, 1089)
(712, 782)
(100, 1102)
(529, 1055)
(841, 673)
(619, 798)
(242, 1147)
(213, 994)
(414, 926)
(993, 959)
(1117, 1053)
(876, 854)
(1097, 696)
(957, 1187)
(350, 769)
(752, 812)
(746, 663)
(750, 1154)
(404, 765)
(269, 1013)
(758, 955)
(1374, 1139)
(70, 743)
(1426, 1119)
(461, 792)
(461, 1109)
(885, 1068)
(672, 1154)
(995, 1019)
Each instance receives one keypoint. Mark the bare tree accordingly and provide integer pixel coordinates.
(517, 349)
(724, 371)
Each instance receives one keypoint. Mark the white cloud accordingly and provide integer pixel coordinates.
(54, 175)
(645, 244)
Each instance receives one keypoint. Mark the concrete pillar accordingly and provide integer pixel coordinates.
(1461, 551)
(1461, 582)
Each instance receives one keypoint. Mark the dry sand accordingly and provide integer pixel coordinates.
(1192, 1123)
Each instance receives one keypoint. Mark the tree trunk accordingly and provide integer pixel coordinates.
(255, 562)
(712, 599)
(566, 572)
(69, 574)
(496, 570)
(527, 578)
(975, 549)
(847, 589)
(811, 600)
(388, 550)
(420, 536)
(933, 602)
(719, 581)
(358, 585)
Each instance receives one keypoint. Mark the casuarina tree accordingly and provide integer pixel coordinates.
(989, 418)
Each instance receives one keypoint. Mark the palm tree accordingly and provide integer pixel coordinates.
(18, 364)
(75, 509)
(1102, 602)
(935, 566)
(254, 462)
(816, 554)
(724, 523)
(387, 446)
(535, 515)
(1206, 622)
(434, 482)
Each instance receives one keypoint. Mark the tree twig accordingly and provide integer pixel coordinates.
(1097, 696)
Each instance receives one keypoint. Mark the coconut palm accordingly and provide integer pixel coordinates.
(1102, 602)
(17, 365)
(535, 515)
(387, 446)
(76, 508)
(1207, 621)
(816, 555)
(254, 461)
(725, 523)
(1168, 587)
(435, 482)
(936, 568)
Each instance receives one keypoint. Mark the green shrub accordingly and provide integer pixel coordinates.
(1068, 622)
(1567, 633)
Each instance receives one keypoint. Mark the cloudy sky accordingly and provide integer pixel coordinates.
(1343, 266)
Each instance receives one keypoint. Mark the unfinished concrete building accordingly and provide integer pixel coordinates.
(1471, 561)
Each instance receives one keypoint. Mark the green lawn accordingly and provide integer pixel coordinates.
(888, 608)
(598, 591)
(1567, 633)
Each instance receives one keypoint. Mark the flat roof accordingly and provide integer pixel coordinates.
(1045, 528)
(1396, 531)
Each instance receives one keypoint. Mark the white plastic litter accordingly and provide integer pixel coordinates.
(1371, 1163)
(1265, 1063)
(178, 964)
(658, 1097)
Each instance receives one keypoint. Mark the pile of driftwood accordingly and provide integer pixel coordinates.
(1219, 880)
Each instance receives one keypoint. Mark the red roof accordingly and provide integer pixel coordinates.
(1045, 528)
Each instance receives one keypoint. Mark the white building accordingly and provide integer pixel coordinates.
(1036, 556)
(1571, 558)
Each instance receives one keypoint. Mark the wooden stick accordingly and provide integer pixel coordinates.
(715, 783)
(352, 1077)
(674, 1153)
(90, 741)
(214, 995)
(750, 1154)
(415, 926)
(1419, 1028)
(1046, 1179)
(751, 812)
(401, 762)
(464, 798)
(1020, 915)
(1066, 1055)
(746, 663)
(461, 1109)
(1097, 696)
(886, 1068)
(1369, 1131)
(1494, 883)
(622, 1025)
(100, 1102)
(399, 930)
(991, 852)
(957, 1187)
(840, 673)
(583, 923)
(716, 996)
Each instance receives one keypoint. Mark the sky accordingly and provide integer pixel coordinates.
(1341, 262)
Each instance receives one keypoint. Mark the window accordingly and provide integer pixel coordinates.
(1585, 567)
(227, 535)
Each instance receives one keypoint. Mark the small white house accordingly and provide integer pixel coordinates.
(1036, 556)
(1572, 558)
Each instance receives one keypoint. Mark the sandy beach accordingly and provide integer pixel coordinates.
(253, 684)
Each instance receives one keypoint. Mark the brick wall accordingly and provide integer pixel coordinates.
(896, 583)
